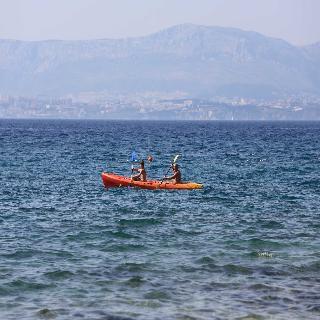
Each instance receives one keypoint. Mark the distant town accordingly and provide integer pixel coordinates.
(158, 106)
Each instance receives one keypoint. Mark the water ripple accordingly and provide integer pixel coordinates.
(244, 247)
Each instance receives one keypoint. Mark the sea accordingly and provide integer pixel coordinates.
(246, 246)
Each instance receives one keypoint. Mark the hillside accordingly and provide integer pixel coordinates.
(203, 61)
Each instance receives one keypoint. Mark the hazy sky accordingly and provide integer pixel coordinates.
(296, 21)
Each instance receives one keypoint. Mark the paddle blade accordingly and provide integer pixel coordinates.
(134, 157)
(176, 158)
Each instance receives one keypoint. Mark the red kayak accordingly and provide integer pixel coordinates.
(111, 180)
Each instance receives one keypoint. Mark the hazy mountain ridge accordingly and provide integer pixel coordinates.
(313, 52)
(196, 59)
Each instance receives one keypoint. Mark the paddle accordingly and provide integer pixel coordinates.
(172, 163)
(133, 159)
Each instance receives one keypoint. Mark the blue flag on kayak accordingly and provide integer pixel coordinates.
(134, 157)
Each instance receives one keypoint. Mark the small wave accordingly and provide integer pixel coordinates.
(264, 244)
(264, 287)
(20, 285)
(102, 315)
(21, 254)
(141, 222)
(116, 317)
(124, 247)
(236, 269)
(135, 282)
(251, 316)
(59, 274)
(205, 260)
(82, 235)
(157, 295)
(271, 224)
(186, 232)
(314, 308)
(310, 267)
(272, 271)
(46, 314)
(123, 235)
(132, 267)
(207, 190)
(214, 286)
(106, 316)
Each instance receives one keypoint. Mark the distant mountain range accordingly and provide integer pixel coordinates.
(202, 61)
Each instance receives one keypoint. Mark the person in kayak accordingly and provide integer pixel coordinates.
(176, 174)
(142, 174)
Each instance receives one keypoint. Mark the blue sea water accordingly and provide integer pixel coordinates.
(247, 246)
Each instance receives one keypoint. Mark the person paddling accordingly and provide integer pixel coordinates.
(142, 174)
(176, 174)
